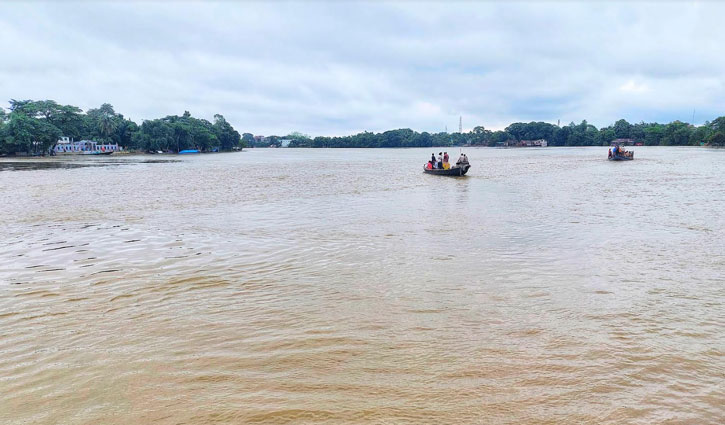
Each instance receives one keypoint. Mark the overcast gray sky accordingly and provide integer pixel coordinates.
(334, 68)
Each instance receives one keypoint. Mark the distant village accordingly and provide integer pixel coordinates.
(542, 143)
(272, 142)
(275, 142)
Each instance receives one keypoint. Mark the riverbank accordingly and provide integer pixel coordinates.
(115, 154)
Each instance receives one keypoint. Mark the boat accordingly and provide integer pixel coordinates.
(619, 154)
(185, 151)
(457, 170)
(621, 158)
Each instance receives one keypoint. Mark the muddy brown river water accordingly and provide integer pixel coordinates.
(346, 286)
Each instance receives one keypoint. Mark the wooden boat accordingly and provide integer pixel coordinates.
(458, 170)
(621, 158)
(621, 154)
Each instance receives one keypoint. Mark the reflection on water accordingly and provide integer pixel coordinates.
(68, 162)
(346, 286)
(45, 165)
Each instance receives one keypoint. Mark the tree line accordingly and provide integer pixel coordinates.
(676, 133)
(34, 127)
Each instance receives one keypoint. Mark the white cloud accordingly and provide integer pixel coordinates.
(336, 68)
(633, 87)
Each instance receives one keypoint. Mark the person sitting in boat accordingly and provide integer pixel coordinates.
(429, 165)
(463, 159)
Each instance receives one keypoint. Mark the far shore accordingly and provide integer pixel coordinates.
(174, 154)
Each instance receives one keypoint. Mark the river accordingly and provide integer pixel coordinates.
(346, 286)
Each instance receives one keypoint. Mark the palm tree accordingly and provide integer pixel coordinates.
(106, 126)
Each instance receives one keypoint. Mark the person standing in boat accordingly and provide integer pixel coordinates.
(445, 157)
(440, 160)
(433, 160)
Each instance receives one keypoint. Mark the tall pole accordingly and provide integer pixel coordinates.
(460, 124)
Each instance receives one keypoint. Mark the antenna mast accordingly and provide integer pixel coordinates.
(460, 124)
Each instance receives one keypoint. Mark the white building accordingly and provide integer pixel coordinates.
(69, 147)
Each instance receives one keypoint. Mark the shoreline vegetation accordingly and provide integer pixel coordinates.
(34, 128)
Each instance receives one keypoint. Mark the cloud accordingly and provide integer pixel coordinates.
(337, 68)
(633, 87)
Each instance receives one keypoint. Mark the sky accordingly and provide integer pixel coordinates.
(337, 68)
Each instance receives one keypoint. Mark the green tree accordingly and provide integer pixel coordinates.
(676, 133)
(499, 137)
(101, 124)
(622, 129)
(31, 126)
(247, 140)
(125, 131)
(606, 135)
(299, 140)
(583, 134)
(66, 118)
(480, 136)
(637, 132)
(699, 135)
(24, 133)
(517, 130)
(653, 134)
(154, 135)
(717, 125)
(3, 116)
(717, 139)
(227, 136)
